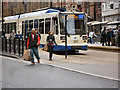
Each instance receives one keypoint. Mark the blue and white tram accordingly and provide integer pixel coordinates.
(51, 19)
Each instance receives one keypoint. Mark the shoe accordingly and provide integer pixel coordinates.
(38, 61)
(50, 59)
(32, 64)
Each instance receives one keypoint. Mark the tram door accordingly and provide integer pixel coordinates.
(26, 27)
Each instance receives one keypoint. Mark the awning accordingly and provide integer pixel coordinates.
(113, 22)
(98, 23)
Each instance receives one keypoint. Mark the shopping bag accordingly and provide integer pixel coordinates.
(26, 55)
(46, 47)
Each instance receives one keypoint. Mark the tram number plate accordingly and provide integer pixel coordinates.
(75, 41)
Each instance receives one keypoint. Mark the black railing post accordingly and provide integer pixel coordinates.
(2, 43)
(19, 46)
(5, 44)
(26, 43)
(22, 46)
(14, 46)
(10, 45)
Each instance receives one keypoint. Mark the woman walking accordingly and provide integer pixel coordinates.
(51, 41)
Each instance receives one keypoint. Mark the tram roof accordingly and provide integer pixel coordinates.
(31, 14)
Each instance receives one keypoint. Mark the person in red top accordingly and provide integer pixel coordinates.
(33, 43)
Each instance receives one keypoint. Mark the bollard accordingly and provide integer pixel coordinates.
(10, 45)
(2, 43)
(19, 46)
(14, 46)
(5, 44)
(22, 46)
(26, 43)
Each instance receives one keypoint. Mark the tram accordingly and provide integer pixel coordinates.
(51, 19)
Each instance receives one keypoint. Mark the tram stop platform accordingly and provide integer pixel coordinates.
(98, 46)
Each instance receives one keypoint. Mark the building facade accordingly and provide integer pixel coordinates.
(13, 8)
(111, 12)
(93, 9)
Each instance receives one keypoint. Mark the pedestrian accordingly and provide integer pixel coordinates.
(91, 35)
(111, 37)
(28, 33)
(36, 30)
(104, 36)
(13, 34)
(19, 35)
(108, 37)
(33, 43)
(116, 37)
(119, 37)
(51, 41)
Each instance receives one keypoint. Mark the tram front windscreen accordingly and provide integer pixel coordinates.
(75, 24)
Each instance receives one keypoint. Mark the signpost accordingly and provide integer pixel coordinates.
(65, 36)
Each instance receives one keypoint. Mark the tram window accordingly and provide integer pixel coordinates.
(8, 28)
(23, 28)
(15, 26)
(62, 25)
(12, 27)
(47, 25)
(55, 25)
(36, 23)
(41, 26)
(31, 24)
(4, 27)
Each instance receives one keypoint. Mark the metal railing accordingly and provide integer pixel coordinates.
(14, 46)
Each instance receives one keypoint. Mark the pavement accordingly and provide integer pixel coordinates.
(84, 63)
(20, 74)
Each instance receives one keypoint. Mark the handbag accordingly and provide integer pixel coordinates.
(46, 47)
(50, 44)
(26, 55)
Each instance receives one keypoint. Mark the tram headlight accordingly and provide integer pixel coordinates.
(62, 37)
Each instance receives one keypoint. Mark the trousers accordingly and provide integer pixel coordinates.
(50, 51)
(34, 51)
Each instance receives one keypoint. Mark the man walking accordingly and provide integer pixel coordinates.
(108, 37)
(104, 37)
(33, 43)
(13, 34)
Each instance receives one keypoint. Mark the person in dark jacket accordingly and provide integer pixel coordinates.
(33, 43)
(19, 35)
(36, 30)
(108, 37)
(51, 41)
(104, 37)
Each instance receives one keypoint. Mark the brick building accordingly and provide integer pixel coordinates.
(13, 8)
(93, 9)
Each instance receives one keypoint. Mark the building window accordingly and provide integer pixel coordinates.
(111, 6)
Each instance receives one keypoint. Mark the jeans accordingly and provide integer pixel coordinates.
(92, 41)
(34, 51)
